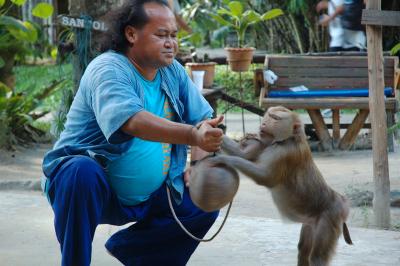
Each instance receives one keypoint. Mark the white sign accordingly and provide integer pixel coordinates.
(80, 23)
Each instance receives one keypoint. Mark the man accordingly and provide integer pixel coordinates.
(125, 140)
(350, 12)
(333, 20)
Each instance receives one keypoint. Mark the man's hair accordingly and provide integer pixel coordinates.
(131, 13)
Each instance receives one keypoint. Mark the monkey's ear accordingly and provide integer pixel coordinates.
(297, 128)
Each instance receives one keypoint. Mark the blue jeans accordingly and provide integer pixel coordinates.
(81, 199)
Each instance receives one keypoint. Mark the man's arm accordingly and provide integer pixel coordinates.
(150, 127)
(327, 18)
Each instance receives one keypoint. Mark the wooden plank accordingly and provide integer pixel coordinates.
(335, 127)
(325, 103)
(352, 132)
(324, 82)
(321, 61)
(341, 125)
(381, 203)
(258, 81)
(320, 129)
(344, 72)
(380, 17)
(221, 59)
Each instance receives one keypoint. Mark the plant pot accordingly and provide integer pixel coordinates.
(209, 69)
(239, 59)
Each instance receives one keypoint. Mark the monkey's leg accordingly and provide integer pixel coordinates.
(305, 245)
(325, 239)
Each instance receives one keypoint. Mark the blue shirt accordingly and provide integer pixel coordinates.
(132, 182)
(108, 95)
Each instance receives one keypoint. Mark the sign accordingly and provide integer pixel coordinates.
(80, 23)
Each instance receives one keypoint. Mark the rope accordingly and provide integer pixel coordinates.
(83, 43)
(183, 227)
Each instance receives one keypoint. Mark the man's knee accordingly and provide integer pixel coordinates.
(84, 174)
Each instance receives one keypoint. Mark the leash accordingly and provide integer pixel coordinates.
(180, 223)
(183, 227)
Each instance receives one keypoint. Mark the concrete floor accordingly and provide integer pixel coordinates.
(253, 235)
(27, 238)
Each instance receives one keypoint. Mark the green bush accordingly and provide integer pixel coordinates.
(232, 82)
(18, 113)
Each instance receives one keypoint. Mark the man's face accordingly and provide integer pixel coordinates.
(156, 43)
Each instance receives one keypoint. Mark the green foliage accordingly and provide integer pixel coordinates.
(18, 112)
(42, 10)
(16, 34)
(231, 81)
(395, 49)
(234, 17)
(32, 79)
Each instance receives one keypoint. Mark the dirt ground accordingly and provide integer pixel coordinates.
(347, 172)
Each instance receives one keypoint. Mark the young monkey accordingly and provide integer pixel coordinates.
(279, 158)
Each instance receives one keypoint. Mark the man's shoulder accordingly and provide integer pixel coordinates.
(111, 59)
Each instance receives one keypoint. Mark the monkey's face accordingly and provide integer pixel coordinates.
(278, 123)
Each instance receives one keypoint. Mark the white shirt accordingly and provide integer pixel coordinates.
(335, 28)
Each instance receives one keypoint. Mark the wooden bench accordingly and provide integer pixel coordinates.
(325, 76)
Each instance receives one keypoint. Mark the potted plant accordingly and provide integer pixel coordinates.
(239, 58)
(187, 44)
(202, 64)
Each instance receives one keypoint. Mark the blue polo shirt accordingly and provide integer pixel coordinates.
(109, 94)
(136, 174)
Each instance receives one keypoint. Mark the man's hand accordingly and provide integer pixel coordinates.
(324, 21)
(208, 137)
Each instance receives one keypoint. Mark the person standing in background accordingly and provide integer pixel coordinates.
(348, 12)
(354, 32)
(332, 19)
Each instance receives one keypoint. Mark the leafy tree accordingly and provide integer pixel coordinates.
(16, 35)
(18, 111)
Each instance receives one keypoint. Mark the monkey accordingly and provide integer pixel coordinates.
(279, 158)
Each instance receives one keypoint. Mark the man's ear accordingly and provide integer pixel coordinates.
(131, 34)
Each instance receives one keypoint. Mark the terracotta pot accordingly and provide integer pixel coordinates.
(239, 59)
(209, 69)
(212, 187)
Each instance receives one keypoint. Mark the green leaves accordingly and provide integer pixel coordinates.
(4, 89)
(2, 2)
(29, 33)
(236, 8)
(21, 30)
(43, 10)
(234, 17)
(12, 22)
(273, 13)
(2, 63)
(395, 49)
(251, 17)
(18, 2)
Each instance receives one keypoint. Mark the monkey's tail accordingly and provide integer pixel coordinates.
(346, 234)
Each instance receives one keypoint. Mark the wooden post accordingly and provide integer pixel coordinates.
(335, 127)
(352, 131)
(381, 202)
(321, 129)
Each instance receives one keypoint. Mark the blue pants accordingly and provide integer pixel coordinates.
(81, 199)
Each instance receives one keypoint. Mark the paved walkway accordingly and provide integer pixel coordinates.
(27, 238)
(253, 235)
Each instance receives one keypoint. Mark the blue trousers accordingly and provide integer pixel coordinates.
(81, 199)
